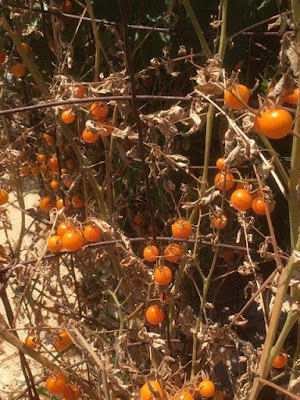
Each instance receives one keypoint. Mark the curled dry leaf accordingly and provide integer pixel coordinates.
(241, 321)
(295, 280)
(290, 304)
(187, 320)
(153, 339)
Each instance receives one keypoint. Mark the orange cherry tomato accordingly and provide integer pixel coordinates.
(80, 92)
(162, 275)
(35, 170)
(92, 233)
(155, 315)
(63, 342)
(53, 163)
(3, 197)
(72, 392)
(184, 396)
(67, 7)
(30, 341)
(146, 394)
(73, 240)
(224, 181)
(25, 170)
(220, 222)
(99, 110)
(241, 92)
(151, 253)
(68, 117)
(275, 124)
(89, 137)
(56, 384)
(63, 227)
(46, 203)
(293, 97)
(280, 361)
(68, 182)
(18, 70)
(54, 185)
(25, 47)
(41, 158)
(228, 256)
(219, 395)
(220, 164)
(54, 244)
(182, 229)
(77, 201)
(173, 252)
(60, 203)
(48, 138)
(2, 57)
(70, 164)
(241, 199)
(206, 388)
(259, 204)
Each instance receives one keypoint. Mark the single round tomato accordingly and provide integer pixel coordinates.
(3, 197)
(80, 91)
(54, 185)
(25, 47)
(72, 392)
(54, 244)
(89, 137)
(18, 70)
(219, 395)
(70, 164)
(68, 182)
(35, 170)
(68, 117)
(151, 253)
(77, 201)
(146, 394)
(162, 275)
(184, 395)
(293, 97)
(224, 180)
(2, 57)
(53, 163)
(67, 7)
(64, 227)
(99, 110)
(241, 199)
(206, 388)
(60, 203)
(182, 229)
(241, 92)
(173, 252)
(25, 170)
(92, 233)
(73, 240)
(30, 341)
(155, 315)
(41, 158)
(259, 204)
(220, 222)
(275, 124)
(48, 138)
(46, 203)
(56, 384)
(220, 164)
(228, 256)
(280, 361)
(63, 342)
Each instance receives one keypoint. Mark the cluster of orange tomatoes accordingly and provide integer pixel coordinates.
(18, 69)
(70, 238)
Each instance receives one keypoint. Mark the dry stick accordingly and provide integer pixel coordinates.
(51, 104)
(279, 388)
(135, 112)
(97, 43)
(73, 16)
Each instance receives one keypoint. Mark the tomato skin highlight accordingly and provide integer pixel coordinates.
(54, 244)
(56, 384)
(220, 222)
(73, 240)
(275, 124)
(63, 342)
(151, 253)
(3, 197)
(92, 233)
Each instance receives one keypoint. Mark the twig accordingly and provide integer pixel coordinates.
(279, 388)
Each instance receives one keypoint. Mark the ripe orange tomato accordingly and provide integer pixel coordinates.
(259, 204)
(68, 117)
(220, 164)
(35, 170)
(67, 7)
(41, 158)
(293, 97)
(151, 253)
(239, 91)
(54, 244)
(80, 91)
(220, 222)
(92, 233)
(3, 197)
(30, 341)
(89, 137)
(25, 170)
(25, 47)
(46, 203)
(60, 203)
(99, 110)
(54, 185)
(2, 57)
(56, 384)
(105, 129)
(18, 70)
(145, 393)
(206, 388)
(72, 240)
(68, 182)
(53, 163)
(224, 181)
(280, 361)
(63, 227)
(173, 252)
(182, 229)
(71, 392)
(43, 168)
(275, 124)
(77, 201)
(48, 138)
(184, 395)
(219, 395)
(162, 275)
(155, 315)
(241, 199)
(63, 342)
